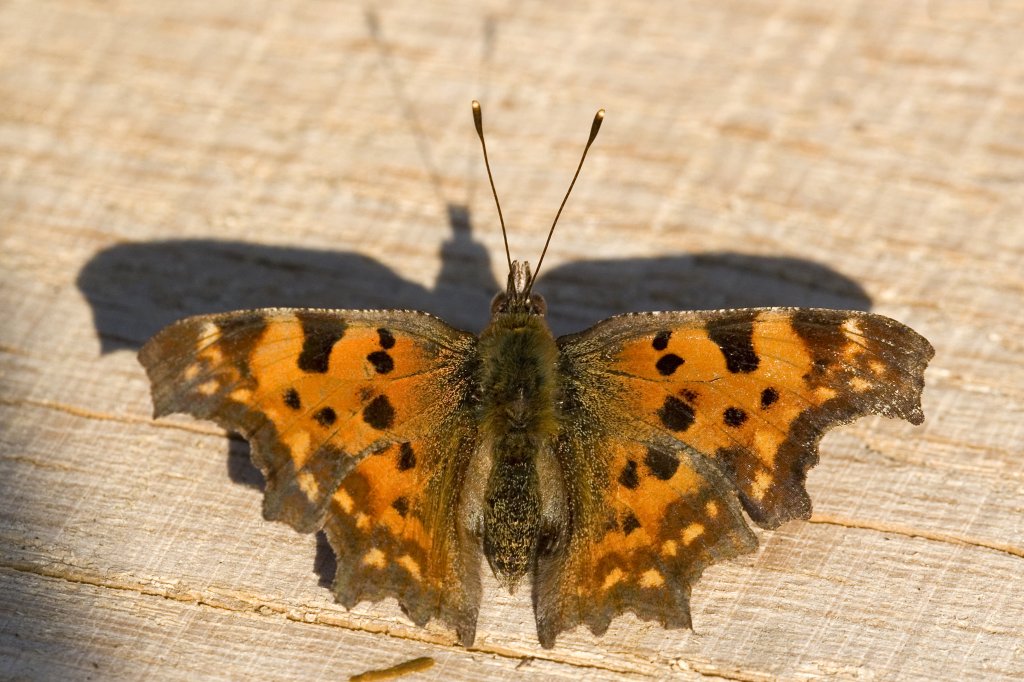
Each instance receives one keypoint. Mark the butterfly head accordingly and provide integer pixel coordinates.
(518, 297)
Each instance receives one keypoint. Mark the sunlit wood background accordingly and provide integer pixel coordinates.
(164, 159)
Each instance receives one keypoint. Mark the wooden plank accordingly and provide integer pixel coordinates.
(167, 160)
(98, 632)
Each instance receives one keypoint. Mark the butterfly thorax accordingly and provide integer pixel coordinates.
(518, 421)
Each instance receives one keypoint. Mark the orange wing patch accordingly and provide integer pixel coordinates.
(350, 416)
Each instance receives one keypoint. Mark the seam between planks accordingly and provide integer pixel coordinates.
(242, 603)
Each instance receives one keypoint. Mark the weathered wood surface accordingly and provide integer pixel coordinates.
(163, 159)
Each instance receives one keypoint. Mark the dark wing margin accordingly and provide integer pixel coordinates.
(361, 424)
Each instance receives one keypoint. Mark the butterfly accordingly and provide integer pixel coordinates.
(609, 467)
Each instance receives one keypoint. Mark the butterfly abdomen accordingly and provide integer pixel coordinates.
(519, 390)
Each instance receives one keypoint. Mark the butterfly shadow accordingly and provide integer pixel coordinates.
(136, 289)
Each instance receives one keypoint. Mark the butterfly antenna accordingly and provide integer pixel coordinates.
(594, 128)
(479, 121)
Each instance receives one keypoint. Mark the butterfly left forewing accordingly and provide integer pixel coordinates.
(360, 422)
(735, 402)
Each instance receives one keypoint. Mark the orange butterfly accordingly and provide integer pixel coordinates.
(610, 465)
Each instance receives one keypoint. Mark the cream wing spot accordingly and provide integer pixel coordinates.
(669, 548)
(652, 578)
(411, 565)
(375, 558)
(344, 500)
(711, 508)
(212, 354)
(241, 395)
(307, 484)
(851, 352)
(612, 578)
(208, 388)
(852, 327)
(859, 384)
(762, 481)
(206, 343)
(692, 532)
(824, 394)
(298, 445)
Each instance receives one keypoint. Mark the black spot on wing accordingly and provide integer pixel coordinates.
(387, 339)
(661, 340)
(823, 336)
(379, 413)
(325, 416)
(381, 361)
(236, 322)
(320, 332)
(239, 334)
(769, 397)
(401, 505)
(406, 457)
(734, 336)
(292, 400)
(676, 415)
(668, 364)
(662, 464)
(629, 478)
(630, 523)
(734, 416)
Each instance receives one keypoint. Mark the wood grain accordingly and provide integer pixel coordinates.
(166, 159)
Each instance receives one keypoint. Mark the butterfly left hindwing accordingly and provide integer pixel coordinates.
(669, 417)
(638, 539)
(360, 422)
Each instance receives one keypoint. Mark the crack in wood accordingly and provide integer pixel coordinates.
(86, 413)
(907, 531)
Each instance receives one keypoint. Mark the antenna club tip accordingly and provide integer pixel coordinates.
(478, 121)
(596, 126)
